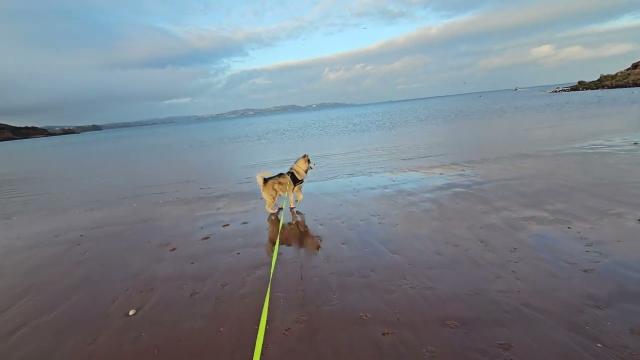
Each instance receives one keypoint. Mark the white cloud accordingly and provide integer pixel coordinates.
(398, 68)
(549, 54)
(626, 22)
(178, 101)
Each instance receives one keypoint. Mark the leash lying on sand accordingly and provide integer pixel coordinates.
(257, 351)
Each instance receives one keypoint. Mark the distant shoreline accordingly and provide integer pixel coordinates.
(627, 78)
(11, 133)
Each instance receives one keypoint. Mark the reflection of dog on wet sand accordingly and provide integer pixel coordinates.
(288, 183)
(294, 233)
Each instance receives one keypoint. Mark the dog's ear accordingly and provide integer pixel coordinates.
(305, 156)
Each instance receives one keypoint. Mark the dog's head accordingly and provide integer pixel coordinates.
(304, 163)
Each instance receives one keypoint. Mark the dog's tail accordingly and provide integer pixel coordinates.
(260, 179)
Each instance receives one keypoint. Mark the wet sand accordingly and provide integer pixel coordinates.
(520, 257)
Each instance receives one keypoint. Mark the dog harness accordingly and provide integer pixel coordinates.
(294, 178)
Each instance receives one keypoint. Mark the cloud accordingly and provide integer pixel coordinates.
(548, 54)
(178, 101)
(627, 22)
(460, 52)
(397, 69)
(114, 61)
(579, 52)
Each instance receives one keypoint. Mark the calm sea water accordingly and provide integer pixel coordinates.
(186, 160)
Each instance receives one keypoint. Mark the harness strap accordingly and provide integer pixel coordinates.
(294, 178)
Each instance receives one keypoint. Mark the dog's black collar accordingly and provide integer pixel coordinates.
(294, 178)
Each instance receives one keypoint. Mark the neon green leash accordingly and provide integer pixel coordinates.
(257, 351)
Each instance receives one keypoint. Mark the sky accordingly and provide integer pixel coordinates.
(70, 62)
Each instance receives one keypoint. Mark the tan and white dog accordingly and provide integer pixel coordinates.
(282, 184)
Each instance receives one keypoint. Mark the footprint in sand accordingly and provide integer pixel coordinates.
(504, 346)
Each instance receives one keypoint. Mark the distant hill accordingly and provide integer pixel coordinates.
(250, 112)
(8, 132)
(629, 77)
(72, 129)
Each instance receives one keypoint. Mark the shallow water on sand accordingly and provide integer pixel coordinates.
(471, 226)
(223, 156)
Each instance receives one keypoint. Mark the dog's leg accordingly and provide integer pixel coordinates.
(292, 203)
(298, 191)
(268, 204)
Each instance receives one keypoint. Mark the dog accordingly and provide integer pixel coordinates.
(295, 233)
(289, 184)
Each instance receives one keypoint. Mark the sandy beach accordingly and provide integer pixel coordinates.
(530, 254)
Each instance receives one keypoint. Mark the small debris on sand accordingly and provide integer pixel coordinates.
(387, 332)
(226, 225)
(364, 316)
(244, 223)
(430, 352)
(452, 324)
(132, 312)
(173, 249)
(194, 293)
(588, 270)
(206, 237)
(286, 331)
(504, 345)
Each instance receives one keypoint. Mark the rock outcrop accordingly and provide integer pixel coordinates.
(626, 78)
